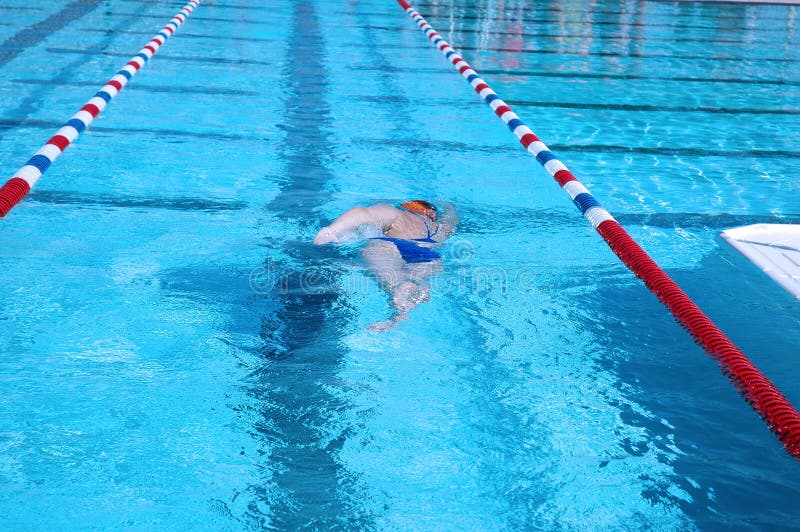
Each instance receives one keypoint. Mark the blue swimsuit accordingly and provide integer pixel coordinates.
(410, 250)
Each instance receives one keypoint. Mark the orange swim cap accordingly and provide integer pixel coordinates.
(422, 207)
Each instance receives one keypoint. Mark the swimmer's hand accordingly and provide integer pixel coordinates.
(325, 236)
(388, 325)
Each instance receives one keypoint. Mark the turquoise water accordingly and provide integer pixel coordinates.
(177, 355)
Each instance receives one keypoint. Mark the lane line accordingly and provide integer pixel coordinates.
(35, 34)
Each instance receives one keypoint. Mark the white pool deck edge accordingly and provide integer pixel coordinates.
(774, 248)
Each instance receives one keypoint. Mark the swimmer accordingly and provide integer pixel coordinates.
(405, 256)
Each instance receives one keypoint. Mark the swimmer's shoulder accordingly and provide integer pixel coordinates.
(382, 215)
(384, 210)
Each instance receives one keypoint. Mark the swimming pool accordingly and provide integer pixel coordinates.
(176, 354)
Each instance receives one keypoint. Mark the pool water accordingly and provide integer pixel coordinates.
(177, 355)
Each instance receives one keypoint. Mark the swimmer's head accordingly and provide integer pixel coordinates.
(422, 207)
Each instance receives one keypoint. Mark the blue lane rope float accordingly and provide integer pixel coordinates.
(765, 398)
(26, 177)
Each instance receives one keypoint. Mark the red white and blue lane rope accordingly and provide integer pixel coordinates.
(782, 418)
(26, 177)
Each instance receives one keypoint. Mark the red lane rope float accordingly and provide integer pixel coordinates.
(26, 177)
(781, 417)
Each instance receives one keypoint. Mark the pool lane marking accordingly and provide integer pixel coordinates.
(38, 32)
(26, 177)
(765, 398)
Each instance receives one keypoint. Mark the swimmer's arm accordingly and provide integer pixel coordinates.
(381, 216)
(448, 220)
